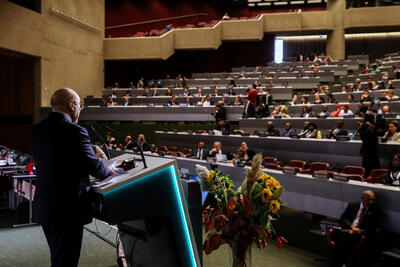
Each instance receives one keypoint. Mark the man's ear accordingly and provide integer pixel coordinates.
(71, 106)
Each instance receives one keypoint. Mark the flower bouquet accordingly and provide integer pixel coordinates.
(244, 217)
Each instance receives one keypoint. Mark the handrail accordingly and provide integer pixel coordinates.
(155, 20)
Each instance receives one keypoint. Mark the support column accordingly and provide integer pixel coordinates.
(335, 43)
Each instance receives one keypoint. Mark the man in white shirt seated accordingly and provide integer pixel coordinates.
(345, 111)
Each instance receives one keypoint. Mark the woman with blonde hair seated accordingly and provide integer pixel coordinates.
(285, 112)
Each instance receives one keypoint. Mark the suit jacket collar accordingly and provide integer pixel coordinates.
(60, 115)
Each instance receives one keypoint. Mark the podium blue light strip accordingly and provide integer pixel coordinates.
(183, 217)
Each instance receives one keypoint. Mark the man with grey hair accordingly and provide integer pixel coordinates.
(358, 226)
(64, 158)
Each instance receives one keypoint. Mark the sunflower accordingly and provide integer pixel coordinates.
(272, 183)
(274, 206)
(211, 176)
(263, 177)
(266, 194)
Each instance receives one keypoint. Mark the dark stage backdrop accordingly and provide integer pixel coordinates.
(228, 55)
(120, 12)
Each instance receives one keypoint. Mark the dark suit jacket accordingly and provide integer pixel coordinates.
(220, 114)
(250, 112)
(205, 153)
(370, 222)
(64, 158)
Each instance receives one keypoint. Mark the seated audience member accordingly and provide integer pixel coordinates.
(168, 27)
(187, 101)
(306, 129)
(216, 92)
(155, 92)
(140, 83)
(128, 93)
(169, 92)
(385, 110)
(295, 100)
(116, 85)
(352, 87)
(336, 112)
(110, 141)
(131, 85)
(277, 111)
(146, 93)
(307, 112)
(141, 140)
(391, 95)
(345, 111)
(111, 103)
(338, 131)
(359, 221)
(226, 16)
(220, 113)
(374, 86)
(393, 176)
(223, 126)
(249, 111)
(285, 112)
(231, 92)
(383, 96)
(127, 101)
(208, 102)
(128, 143)
(104, 102)
(393, 133)
(350, 98)
(313, 131)
(271, 131)
(330, 99)
(215, 150)
(289, 131)
(173, 102)
(250, 152)
(362, 110)
(113, 95)
(231, 84)
(304, 100)
(285, 84)
(177, 85)
(241, 157)
(237, 102)
(390, 85)
(200, 152)
(324, 113)
(186, 92)
(343, 89)
(359, 88)
(199, 93)
(319, 100)
(365, 97)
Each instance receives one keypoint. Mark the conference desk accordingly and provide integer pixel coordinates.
(295, 82)
(296, 110)
(338, 154)
(319, 196)
(324, 125)
(156, 113)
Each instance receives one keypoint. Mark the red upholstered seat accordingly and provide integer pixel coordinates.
(270, 160)
(186, 151)
(316, 166)
(354, 172)
(272, 166)
(377, 176)
(172, 148)
(298, 164)
(162, 148)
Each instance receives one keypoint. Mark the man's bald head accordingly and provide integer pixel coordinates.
(68, 101)
(368, 198)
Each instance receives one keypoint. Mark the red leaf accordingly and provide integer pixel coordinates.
(284, 239)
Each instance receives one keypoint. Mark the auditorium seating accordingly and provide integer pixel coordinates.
(316, 166)
(377, 176)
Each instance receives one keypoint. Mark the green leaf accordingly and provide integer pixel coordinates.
(278, 193)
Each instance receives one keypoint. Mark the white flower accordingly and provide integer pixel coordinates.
(203, 172)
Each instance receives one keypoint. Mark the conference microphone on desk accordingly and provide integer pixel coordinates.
(91, 127)
(133, 141)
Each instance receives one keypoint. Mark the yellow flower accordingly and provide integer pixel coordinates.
(274, 206)
(263, 177)
(266, 194)
(272, 183)
(211, 176)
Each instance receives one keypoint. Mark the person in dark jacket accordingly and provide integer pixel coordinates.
(64, 158)
(358, 226)
(369, 147)
(249, 110)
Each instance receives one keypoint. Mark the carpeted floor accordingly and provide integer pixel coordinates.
(27, 247)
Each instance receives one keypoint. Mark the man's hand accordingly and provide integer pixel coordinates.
(355, 230)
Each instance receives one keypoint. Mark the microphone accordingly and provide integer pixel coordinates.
(91, 127)
(133, 141)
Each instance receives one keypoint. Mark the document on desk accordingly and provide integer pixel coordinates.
(119, 172)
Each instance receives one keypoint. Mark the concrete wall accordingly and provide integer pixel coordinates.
(71, 53)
